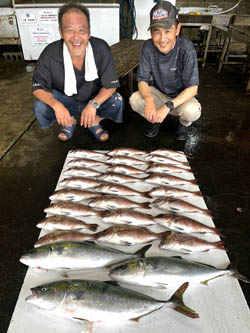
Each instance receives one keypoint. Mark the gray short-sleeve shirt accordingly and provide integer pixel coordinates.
(172, 72)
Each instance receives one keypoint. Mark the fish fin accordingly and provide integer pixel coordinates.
(80, 320)
(64, 273)
(112, 283)
(161, 286)
(179, 306)
(176, 257)
(138, 318)
(184, 250)
(234, 272)
(143, 250)
(205, 282)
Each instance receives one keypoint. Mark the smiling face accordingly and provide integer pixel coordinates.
(164, 39)
(75, 32)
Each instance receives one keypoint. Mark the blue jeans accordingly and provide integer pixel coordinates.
(112, 108)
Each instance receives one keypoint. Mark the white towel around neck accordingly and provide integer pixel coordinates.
(70, 86)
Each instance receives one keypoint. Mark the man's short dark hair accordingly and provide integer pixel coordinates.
(75, 7)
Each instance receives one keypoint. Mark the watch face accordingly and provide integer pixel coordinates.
(170, 105)
(94, 104)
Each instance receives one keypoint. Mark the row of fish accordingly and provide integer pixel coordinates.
(70, 246)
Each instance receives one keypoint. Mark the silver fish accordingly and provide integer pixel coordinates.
(126, 152)
(115, 202)
(188, 244)
(85, 162)
(184, 224)
(79, 182)
(120, 190)
(168, 168)
(128, 235)
(72, 194)
(71, 209)
(126, 169)
(173, 192)
(160, 272)
(65, 256)
(94, 301)
(164, 179)
(63, 236)
(128, 216)
(179, 206)
(166, 160)
(81, 172)
(126, 160)
(84, 153)
(61, 222)
(118, 178)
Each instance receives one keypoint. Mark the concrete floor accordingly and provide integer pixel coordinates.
(32, 159)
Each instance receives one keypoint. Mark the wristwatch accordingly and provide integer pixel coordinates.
(170, 105)
(94, 104)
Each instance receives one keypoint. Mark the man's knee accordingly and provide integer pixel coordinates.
(44, 114)
(117, 100)
(136, 101)
(192, 111)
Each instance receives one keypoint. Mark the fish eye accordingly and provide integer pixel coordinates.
(44, 289)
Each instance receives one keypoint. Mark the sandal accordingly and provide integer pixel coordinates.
(94, 129)
(67, 131)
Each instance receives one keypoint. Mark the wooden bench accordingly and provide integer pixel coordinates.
(126, 55)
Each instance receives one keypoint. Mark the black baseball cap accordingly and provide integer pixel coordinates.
(163, 15)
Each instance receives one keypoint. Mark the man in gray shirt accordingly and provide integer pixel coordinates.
(171, 61)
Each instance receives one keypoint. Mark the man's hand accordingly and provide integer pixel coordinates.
(62, 114)
(88, 116)
(161, 114)
(150, 109)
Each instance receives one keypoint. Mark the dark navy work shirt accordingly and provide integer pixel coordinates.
(49, 71)
(172, 72)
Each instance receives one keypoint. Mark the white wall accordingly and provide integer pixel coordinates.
(38, 26)
(143, 8)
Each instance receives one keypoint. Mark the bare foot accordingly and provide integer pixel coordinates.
(104, 136)
(66, 133)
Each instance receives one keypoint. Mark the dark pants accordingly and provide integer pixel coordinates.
(110, 109)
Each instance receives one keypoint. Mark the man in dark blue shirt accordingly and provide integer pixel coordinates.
(171, 61)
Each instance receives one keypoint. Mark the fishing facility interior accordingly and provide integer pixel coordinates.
(217, 151)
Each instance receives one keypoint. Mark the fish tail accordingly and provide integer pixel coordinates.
(93, 227)
(146, 195)
(234, 272)
(207, 212)
(220, 245)
(145, 205)
(198, 193)
(179, 306)
(164, 235)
